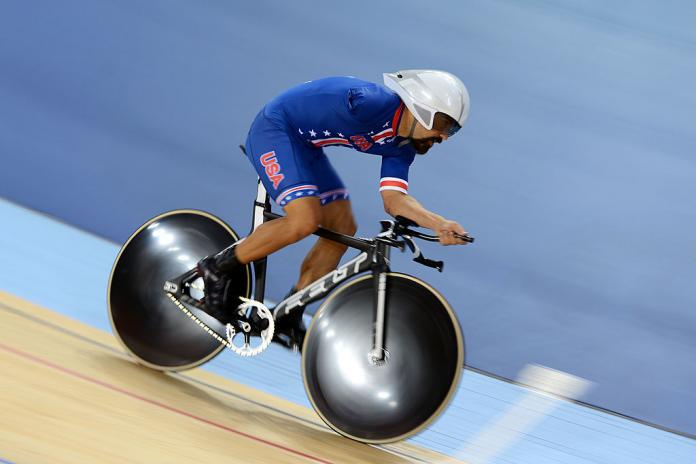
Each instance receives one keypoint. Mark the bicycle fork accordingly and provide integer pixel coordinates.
(379, 355)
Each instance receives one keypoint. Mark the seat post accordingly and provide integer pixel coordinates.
(262, 204)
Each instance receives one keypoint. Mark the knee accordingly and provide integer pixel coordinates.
(338, 217)
(347, 225)
(302, 226)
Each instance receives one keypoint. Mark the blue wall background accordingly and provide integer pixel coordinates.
(576, 171)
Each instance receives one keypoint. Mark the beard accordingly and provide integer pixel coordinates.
(423, 145)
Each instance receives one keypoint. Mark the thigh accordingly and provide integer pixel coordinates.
(282, 163)
(306, 210)
(338, 216)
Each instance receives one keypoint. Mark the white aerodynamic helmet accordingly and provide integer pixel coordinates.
(427, 91)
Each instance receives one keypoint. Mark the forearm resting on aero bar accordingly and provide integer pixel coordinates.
(400, 204)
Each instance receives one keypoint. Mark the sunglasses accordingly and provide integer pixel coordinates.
(453, 129)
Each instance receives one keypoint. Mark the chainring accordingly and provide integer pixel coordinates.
(266, 335)
(246, 350)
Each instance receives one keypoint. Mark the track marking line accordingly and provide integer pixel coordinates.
(130, 394)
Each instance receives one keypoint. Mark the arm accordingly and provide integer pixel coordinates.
(393, 187)
(400, 204)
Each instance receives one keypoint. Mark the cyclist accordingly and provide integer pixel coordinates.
(412, 111)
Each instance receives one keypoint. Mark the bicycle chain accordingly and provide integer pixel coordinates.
(245, 350)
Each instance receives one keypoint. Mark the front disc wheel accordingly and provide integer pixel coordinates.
(381, 401)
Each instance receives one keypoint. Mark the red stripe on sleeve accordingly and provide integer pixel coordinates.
(394, 183)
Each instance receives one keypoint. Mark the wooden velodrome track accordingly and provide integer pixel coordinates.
(70, 394)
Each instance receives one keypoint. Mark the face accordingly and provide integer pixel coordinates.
(423, 139)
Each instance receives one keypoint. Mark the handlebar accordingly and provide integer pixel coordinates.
(435, 238)
(403, 225)
(399, 234)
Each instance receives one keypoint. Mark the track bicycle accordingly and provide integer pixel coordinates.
(382, 356)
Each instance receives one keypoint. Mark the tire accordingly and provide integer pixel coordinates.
(381, 404)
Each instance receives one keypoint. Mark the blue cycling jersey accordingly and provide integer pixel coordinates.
(286, 139)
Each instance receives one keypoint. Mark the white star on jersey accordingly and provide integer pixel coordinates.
(340, 135)
(386, 124)
(300, 130)
(327, 133)
(312, 133)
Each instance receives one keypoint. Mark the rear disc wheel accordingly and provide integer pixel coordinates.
(156, 332)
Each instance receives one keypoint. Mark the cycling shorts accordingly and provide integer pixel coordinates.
(287, 167)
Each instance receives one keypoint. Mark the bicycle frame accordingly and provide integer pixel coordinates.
(374, 257)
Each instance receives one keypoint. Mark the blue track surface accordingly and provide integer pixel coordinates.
(575, 172)
(74, 269)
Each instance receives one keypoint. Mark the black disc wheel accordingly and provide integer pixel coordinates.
(149, 325)
(390, 401)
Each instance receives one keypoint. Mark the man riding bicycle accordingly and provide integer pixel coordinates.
(414, 110)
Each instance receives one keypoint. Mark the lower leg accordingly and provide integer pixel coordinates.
(326, 254)
(321, 259)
